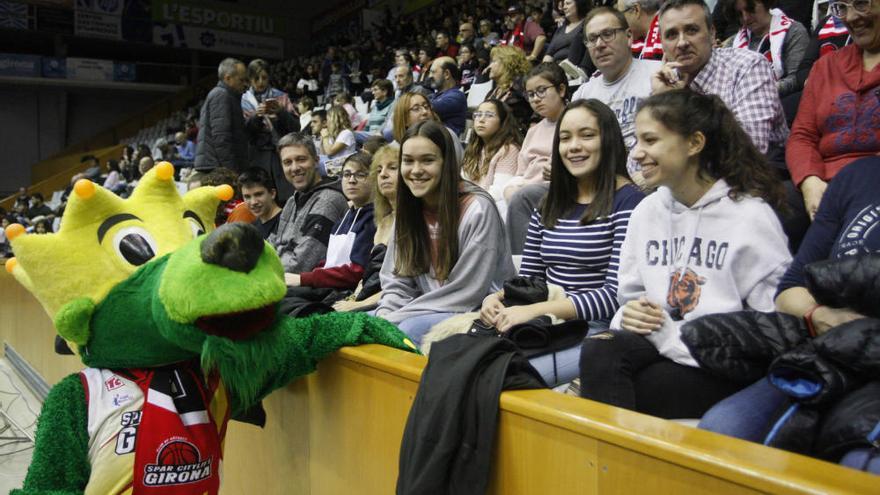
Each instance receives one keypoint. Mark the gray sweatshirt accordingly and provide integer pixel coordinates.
(484, 263)
(305, 224)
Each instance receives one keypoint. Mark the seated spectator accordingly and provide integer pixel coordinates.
(114, 180)
(351, 239)
(622, 82)
(488, 37)
(447, 251)
(372, 144)
(145, 164)
(424, 64)
(347, 102)
(449, 101)
(412, 109)
(770, 32)
(304, 106)
(840, 229)
(308, 84)
(337, 140)
(829, 36)
(383, 182)
(547, 90)
(507, 67)
(837, 120)
(92, 171)
(524, 33)
(445, 48)
(469, 66)
(268, 116)
(259, 194)
(741, 78)
(337, 82)
(42, 226)
(404, 79)
(307, 217)
(126, 159)
(186, 149)
(38, 207)
(642, 17)
(706, 242)
(467, 36)
(567, 42)
(490, 159)
(383, 103)
(574, 239)
(233, 210)
(318, 123)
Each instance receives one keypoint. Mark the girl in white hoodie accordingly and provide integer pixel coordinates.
(706, 242)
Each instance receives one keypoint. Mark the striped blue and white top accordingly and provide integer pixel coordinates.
(582, 259)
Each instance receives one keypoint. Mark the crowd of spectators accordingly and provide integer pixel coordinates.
(634, 153)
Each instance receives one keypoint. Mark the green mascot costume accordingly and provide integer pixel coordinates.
(178, 326)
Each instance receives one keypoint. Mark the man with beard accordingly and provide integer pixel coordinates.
(449, 102)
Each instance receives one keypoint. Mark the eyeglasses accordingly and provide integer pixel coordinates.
(840, 9)
(487, 115)
(539, 92)
(357, 176)
(420, 107)
(607, 36)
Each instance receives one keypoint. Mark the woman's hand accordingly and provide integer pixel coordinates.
(490, 309)
(812, 189)
(642, 316)
(512, 316)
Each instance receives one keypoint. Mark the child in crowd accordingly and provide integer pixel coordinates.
(351, 240)
(337, 140)
(706, 242)
(447, 250)
(574, 238)
(383, 181)
(491, 157)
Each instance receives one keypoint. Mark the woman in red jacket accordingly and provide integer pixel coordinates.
(838, 119)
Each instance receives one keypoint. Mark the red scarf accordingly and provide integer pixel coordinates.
(177, 450)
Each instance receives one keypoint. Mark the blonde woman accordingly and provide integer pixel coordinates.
(383, 180)
(337, 139)
(507, 68)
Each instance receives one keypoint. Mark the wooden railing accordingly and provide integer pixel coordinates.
(339, 430)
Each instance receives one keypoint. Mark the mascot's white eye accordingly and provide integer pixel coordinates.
(135, 245)
(195, 226)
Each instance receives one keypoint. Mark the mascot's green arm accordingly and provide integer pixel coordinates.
(297, 349)
(60, 465)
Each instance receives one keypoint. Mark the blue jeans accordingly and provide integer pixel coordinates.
(564, 366)
(747, 413)
(417, 326)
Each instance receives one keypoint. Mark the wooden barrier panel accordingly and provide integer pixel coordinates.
(339, 431)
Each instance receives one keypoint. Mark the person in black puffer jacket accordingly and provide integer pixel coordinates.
(831, 378)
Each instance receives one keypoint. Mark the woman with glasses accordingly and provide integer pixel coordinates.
(413, 108)
(838, 120)
(507, 67)
(547, 91)
(574, 239)
(351, 239)
(337, 139)
(383, 180)
(491, 157)
(448, 248)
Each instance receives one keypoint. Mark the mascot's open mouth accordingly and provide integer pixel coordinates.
(238, 326)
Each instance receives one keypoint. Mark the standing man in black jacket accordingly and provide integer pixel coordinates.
(222, 139)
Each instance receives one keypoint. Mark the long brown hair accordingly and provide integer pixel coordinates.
(729, 153)
(563, 192)
(478, 153)
(400, 119)
(413, 254)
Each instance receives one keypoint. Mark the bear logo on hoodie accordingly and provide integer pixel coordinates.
(684, 292)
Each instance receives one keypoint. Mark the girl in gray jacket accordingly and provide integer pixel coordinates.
(448, 248)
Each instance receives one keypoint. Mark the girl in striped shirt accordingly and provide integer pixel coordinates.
(574, 238)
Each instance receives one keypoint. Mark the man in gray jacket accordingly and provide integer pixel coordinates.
(222, 139)
(309, 215)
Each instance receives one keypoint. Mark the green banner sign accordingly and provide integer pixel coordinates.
(217, 16)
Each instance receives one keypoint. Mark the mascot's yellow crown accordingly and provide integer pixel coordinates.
(103, 238)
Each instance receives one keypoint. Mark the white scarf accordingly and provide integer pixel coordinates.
(779, 26)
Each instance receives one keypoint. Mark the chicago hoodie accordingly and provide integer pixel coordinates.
(717, 256)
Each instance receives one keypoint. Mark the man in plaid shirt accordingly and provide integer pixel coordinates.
(743, 79)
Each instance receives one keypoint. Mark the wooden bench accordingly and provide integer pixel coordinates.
(339, 430)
